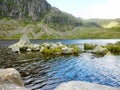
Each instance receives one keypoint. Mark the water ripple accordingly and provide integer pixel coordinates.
(46, 73)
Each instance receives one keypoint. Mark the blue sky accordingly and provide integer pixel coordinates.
(104, 9)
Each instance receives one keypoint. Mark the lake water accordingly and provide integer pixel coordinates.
(40, 72)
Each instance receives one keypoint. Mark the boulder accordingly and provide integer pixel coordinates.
(79, 85)
(10, 79)
(28, 50)
(52, 46)
(46, 44)
(16, 49)
(41, 49)
(23, 43)
(99, 49)
(67, 50)
(34, 47)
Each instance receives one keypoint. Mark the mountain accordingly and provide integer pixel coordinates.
(61, 21)
(24, 9)
(39, 20)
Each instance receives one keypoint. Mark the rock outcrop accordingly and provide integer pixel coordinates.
(22, 44)
(46, 48)
(79, 85)
(10, 79)
(24, 9)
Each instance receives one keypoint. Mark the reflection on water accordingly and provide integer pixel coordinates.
(41, 72)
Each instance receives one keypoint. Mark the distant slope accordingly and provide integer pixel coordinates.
(112, 24)
(61, 21)
(39, 20)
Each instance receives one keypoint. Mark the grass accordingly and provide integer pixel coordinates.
(47, 51)
(16, 36)
(52, 51)
(76, 49)
(93, 33)
(8, 26)
(58, 50)
(101, 53)
(89, 46)
(114, 48)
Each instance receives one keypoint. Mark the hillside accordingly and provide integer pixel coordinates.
(39, 20)
(24, 9)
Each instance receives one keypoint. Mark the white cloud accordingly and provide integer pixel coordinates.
(110, 9)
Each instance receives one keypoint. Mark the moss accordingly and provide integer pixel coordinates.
(48, 51)
(17, 36)
(114, 48)
(89, 46)
(57, 50)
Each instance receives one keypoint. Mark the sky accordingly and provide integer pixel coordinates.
(86, 9)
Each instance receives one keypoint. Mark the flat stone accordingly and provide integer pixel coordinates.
(79, 85)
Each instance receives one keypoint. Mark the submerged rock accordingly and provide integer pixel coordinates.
(79, 85)
(10, 79)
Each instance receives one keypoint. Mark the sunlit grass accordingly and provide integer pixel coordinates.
(89, 46)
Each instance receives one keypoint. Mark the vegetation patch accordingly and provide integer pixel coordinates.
(89, 46)
(17, 36)
(99, 54)
(76, 49)
(114, 48)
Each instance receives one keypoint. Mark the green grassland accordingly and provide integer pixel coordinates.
(14, 29)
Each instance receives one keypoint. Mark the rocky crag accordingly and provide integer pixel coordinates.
(24, 9)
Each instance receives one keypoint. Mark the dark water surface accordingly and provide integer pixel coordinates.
(40, 72)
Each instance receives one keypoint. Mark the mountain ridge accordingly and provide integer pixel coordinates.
(40, 20)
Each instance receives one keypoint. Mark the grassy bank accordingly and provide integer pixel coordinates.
(14, 29)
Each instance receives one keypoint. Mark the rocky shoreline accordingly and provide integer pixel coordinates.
(24, 45)
(46, 48)
(10, 79)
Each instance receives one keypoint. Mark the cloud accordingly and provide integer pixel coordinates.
(107, 10)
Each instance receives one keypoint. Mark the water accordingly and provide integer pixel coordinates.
(40, 72)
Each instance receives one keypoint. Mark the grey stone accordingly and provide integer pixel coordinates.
(35, 47)
(67, 50)
(24, 42)
(79, 85)
(10, 79)
(99, 49)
